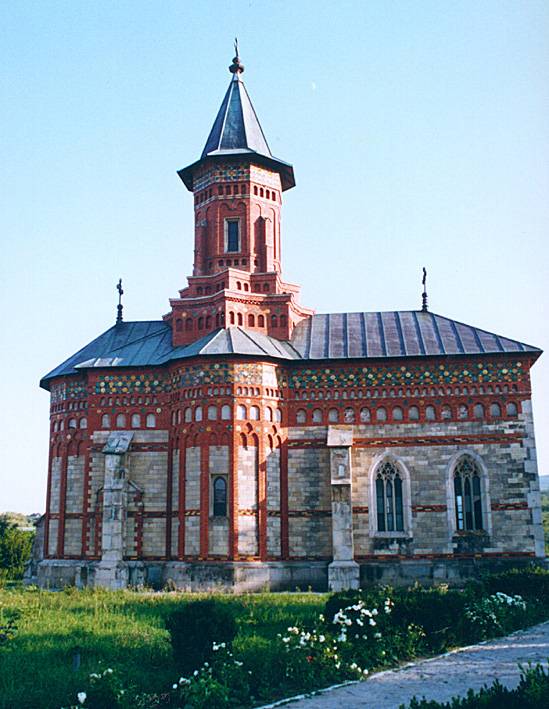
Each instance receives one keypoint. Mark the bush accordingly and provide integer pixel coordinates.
(15, 549)
(531, 693)
(438, 612)
(195, 627)
(531, 583)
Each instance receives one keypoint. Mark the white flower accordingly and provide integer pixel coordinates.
(81, 696)
(321, 638)
(377, 636)
(195, 673)
(372, 622)
(365, 672)
(174, 686)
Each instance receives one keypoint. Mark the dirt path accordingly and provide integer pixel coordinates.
(441, 677)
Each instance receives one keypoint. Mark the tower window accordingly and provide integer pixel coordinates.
(232, 235)
(220, 497)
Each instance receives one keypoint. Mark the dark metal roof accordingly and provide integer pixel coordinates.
(324, 336)
(236, 132)
(236, 126)
(408, 333)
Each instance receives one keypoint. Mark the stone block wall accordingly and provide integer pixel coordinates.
(309, 503)
(247, 501)
(272, 465)
(192, 501)
(218, 527)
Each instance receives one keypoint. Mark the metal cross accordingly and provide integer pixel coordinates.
(120, 306)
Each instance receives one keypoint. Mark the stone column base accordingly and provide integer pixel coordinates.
(343, 575)
(112, 575)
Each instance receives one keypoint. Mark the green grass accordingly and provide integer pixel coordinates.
(116, 629)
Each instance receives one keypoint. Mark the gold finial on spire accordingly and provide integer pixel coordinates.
(236, 67)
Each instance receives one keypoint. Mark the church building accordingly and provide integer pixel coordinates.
(243, 441)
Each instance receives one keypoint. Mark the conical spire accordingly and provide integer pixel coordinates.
(237, 132)
(236, 126)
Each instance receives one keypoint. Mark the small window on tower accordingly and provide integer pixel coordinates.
(232, 236)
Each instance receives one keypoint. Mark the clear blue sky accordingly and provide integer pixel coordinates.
(419, 133)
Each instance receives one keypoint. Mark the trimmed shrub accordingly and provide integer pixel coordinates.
(531, 583)
(195, 627)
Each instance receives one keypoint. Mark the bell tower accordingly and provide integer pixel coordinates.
(237, 186)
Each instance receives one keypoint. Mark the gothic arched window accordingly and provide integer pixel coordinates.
(467, 494)
(219, 496)
(389, 498)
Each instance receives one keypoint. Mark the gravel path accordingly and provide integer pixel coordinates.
(441, 677)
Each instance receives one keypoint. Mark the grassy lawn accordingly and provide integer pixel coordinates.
(118, 629)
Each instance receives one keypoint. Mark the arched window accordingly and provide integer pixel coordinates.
(150, 421)
(333, 415)
(365, 415)
(389, 498)
(495, 410)
(251, 320)
(219, 496)
(274, 321)
(254, 413)
(239, 318)
(430, 413)
(511, 409)
(282, 321)
(478, 411)
(301, 416)
(278, 416)
(349, 415)
(260, 321)
(446, 413)
(413, 413)
(136, 420)
(463, 411)
(120, 421)
(226, 412)
(105, 421)
(72, 423)
(212, 413)
(317, 416)
(188, 414)
(381, 414)
(241, 412)
(198, 413)
(467, 495)
(83, 423)
(268, 413)
(397, 414)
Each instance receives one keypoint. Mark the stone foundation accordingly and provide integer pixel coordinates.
(255, 577)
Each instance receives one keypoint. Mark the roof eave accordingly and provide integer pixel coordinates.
(284, 169)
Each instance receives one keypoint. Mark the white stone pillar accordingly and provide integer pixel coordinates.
(343, 572)
(112, 571)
